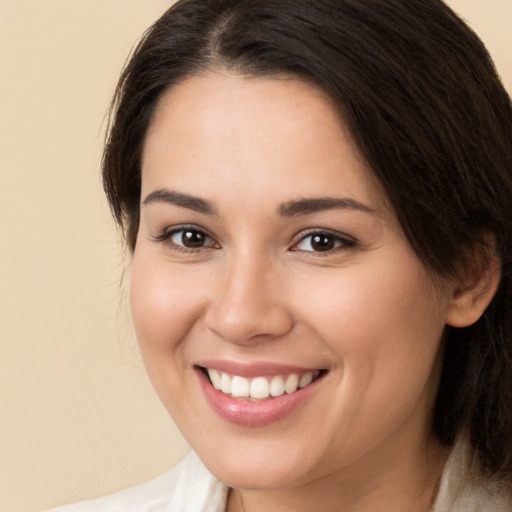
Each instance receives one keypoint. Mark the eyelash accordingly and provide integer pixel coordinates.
(340, 241)
(167, 235)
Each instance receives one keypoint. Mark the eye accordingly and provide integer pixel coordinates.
(322, 241)
(186, 238)
(190, 238)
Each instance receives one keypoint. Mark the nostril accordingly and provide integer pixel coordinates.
(250, 324)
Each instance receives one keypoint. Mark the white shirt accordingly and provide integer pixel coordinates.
(190, 487)
(464, 488)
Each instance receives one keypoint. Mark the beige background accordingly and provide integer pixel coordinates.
(78, 418)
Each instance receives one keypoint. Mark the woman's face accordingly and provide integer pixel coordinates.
(268, 256)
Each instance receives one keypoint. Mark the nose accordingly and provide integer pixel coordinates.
(249, 303)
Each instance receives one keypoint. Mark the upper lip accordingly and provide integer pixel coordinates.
(253, 369)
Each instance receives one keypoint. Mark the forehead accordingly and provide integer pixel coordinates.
(221, 131)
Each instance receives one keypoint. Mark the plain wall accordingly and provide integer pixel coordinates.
(78, 417)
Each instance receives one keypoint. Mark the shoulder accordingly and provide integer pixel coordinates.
(189, 487)
(465, 488)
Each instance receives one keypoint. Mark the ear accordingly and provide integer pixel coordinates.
(471, 295)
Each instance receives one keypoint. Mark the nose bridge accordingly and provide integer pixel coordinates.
(248, 303)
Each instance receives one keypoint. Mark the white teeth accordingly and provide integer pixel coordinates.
(239, 387)
(306, 380)
(277, 386)
(215, 378)
(292, 383)
(225, 383)
(260, 388)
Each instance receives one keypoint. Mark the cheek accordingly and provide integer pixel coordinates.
(164, 310)
(383, 321)
(383, 326)
(163, 304)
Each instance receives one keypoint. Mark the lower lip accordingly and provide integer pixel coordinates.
(254, 413)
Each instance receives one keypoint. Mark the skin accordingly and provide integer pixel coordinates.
(367, 311)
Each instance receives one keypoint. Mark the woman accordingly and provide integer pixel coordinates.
(317, 198)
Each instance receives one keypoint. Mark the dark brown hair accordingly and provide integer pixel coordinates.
(426, 108)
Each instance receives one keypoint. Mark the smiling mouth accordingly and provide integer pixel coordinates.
(260, 388)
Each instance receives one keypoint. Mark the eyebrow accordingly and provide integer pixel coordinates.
(288, 209)
(179, 199)
(318, 204)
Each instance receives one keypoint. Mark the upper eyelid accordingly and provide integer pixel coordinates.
(312, 231)
(183, 227)
(166, 233)
(345, 242)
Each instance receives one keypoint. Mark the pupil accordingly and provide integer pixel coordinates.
(193, 239)
(322, 242)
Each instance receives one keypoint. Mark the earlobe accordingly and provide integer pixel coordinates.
(470, 297)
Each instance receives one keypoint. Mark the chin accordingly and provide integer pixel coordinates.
(258, 469)
(250, 477)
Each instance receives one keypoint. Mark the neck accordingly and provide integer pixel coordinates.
(406, 482)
